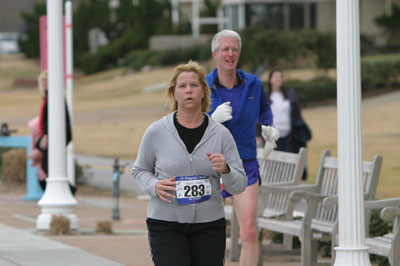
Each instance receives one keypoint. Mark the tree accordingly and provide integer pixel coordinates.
(210, 10)
(88, 15)
(390, 23)
(128, 27)
(30, 41)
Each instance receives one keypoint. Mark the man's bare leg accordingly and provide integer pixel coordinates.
(245, 205)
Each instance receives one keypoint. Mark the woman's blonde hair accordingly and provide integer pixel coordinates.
(191, 66)
(43, 75)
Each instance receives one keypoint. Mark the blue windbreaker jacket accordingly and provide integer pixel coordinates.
(253, 106)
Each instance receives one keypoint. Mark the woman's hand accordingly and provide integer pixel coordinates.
(218, 162)
(165, 185)
(43, 143)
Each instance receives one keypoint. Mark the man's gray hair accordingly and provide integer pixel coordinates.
(224, 34)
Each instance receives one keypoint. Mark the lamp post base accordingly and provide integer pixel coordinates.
(57, 200)
(352, 256)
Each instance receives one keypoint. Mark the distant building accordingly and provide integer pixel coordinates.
(300, 14)
(12, 24)
(285, 14)
(11, 13)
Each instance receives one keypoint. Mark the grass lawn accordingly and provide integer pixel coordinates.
(112, 112)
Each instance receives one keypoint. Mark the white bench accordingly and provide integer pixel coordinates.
(281, 168)
(387, 245)
(317, 218)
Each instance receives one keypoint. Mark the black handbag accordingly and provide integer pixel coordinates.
(302, 132)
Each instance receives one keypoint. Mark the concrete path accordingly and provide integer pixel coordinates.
(22, 245)
(19, 247)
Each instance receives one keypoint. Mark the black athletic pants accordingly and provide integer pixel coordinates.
(186, 244)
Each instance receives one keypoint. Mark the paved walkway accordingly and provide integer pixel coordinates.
(19, 247)
(21, 244)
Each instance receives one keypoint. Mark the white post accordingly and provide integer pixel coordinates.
(221, 19)
(70, 89)
(242, 16)
(57, 199)
(351, 249)
(195, 19)
(229, 15)
(175, 11)
(388, 7)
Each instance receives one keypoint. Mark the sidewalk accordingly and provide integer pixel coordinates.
(21, 244)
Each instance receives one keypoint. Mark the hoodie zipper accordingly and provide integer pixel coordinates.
(190, 163)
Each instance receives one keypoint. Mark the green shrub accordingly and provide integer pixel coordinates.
(377, 227)
(315, 90)
(30, 41)
(322, 45)
(139, 58)
(268, 47)
(271, 48)
(376, 72)
(170, 57)
(175, 56)
(380, 71)
(80, 177)
(367, 45)
(390, 23)
(110, 55)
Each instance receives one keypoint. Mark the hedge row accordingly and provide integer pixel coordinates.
(259, 47)
(377, 227)
(137, 59)
(105, 58)
(377, 72)
(380, 71)
(315, 90)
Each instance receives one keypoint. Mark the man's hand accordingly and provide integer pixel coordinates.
(222, 113)
(268, 148)
(165, 185)
(218, 162)
(270, 135)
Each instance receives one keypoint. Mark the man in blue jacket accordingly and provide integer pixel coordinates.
(238, 102)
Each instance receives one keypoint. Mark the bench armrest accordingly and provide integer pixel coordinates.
(312, 201)
(389, 213)
(331, 201)
(297, 196)
(273, 190)
(287, 189)
(380, 204)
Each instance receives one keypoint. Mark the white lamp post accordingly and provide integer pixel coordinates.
(70, 89)
(351, 249)
(57, 199)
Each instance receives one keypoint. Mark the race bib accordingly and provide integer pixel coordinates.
(192, 189)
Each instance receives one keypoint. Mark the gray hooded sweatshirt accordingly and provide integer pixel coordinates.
(162, 155)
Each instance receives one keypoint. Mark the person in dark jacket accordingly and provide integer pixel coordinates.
(42, 141)
(286, 109)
